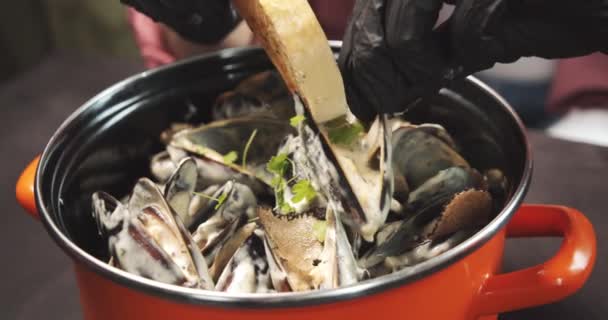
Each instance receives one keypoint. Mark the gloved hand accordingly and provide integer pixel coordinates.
(392, 55)
(200, 21)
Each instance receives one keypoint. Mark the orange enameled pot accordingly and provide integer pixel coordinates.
(106, 145)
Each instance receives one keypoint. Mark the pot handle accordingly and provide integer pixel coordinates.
(25, 188)
(559, 277)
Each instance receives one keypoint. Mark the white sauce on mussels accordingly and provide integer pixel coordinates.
(366, 183)
(247, 271)
(137, 260)
(312, 164)
(170, 243)
(240, 200)
(424, 252)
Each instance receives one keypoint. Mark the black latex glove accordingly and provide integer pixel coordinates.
(392, 56)
(200, 21)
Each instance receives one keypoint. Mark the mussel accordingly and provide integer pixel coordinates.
(261, 95)
(222, 150)
(354, 166)
(234, 204)
(308, 250)
(248, 270)
(444, 194)
(265, 198)
(146, 238)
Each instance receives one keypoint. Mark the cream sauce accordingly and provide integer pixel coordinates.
(247, 271)
(424, 252)
(367, 183)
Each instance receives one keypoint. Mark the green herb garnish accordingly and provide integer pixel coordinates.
(251, 137)
(276, 182)
(220, 200)
(296, 120)
(278, 164)
(303, 190)
(230, 157)
(345, 134)
(286, 208)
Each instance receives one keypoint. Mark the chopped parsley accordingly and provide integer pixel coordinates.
(303, 190)
(230, 157)
(296, 120)
(247, 146)
(278, 164)
(286, 208)
(219, 200)
(276, 182)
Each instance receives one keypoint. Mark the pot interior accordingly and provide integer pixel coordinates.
(108, 143)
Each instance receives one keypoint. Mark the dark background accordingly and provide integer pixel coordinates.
(32, 29)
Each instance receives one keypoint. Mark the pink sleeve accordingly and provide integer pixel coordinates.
(152, 46)
(333, 16)
(149, 39)
(580, 82)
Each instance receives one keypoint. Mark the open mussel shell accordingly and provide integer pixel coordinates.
(261, 95)
(455, 198)
(342, 261)
(278, 274)
(296, 259)
(435, 192)
(252, 142)
(422, 151)
(108, 212)
(248, 270)
(467, 210)
(358, 176)
(320, 258)
(228, 249)
(179, 190)
(151, 241)
(221, 219)
(215, 172)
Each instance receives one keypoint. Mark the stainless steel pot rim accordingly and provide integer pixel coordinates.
(276, 300)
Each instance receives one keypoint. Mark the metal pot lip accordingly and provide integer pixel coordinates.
(239, 301)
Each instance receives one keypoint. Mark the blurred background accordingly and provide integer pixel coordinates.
(31, 29)
(544, 93)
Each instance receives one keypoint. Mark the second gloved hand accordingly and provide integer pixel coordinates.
(202, 21)
(392, 55)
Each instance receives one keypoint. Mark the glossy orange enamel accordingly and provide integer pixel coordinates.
(553, 280)
(25, 188)
(456, 287)
(470, 289)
